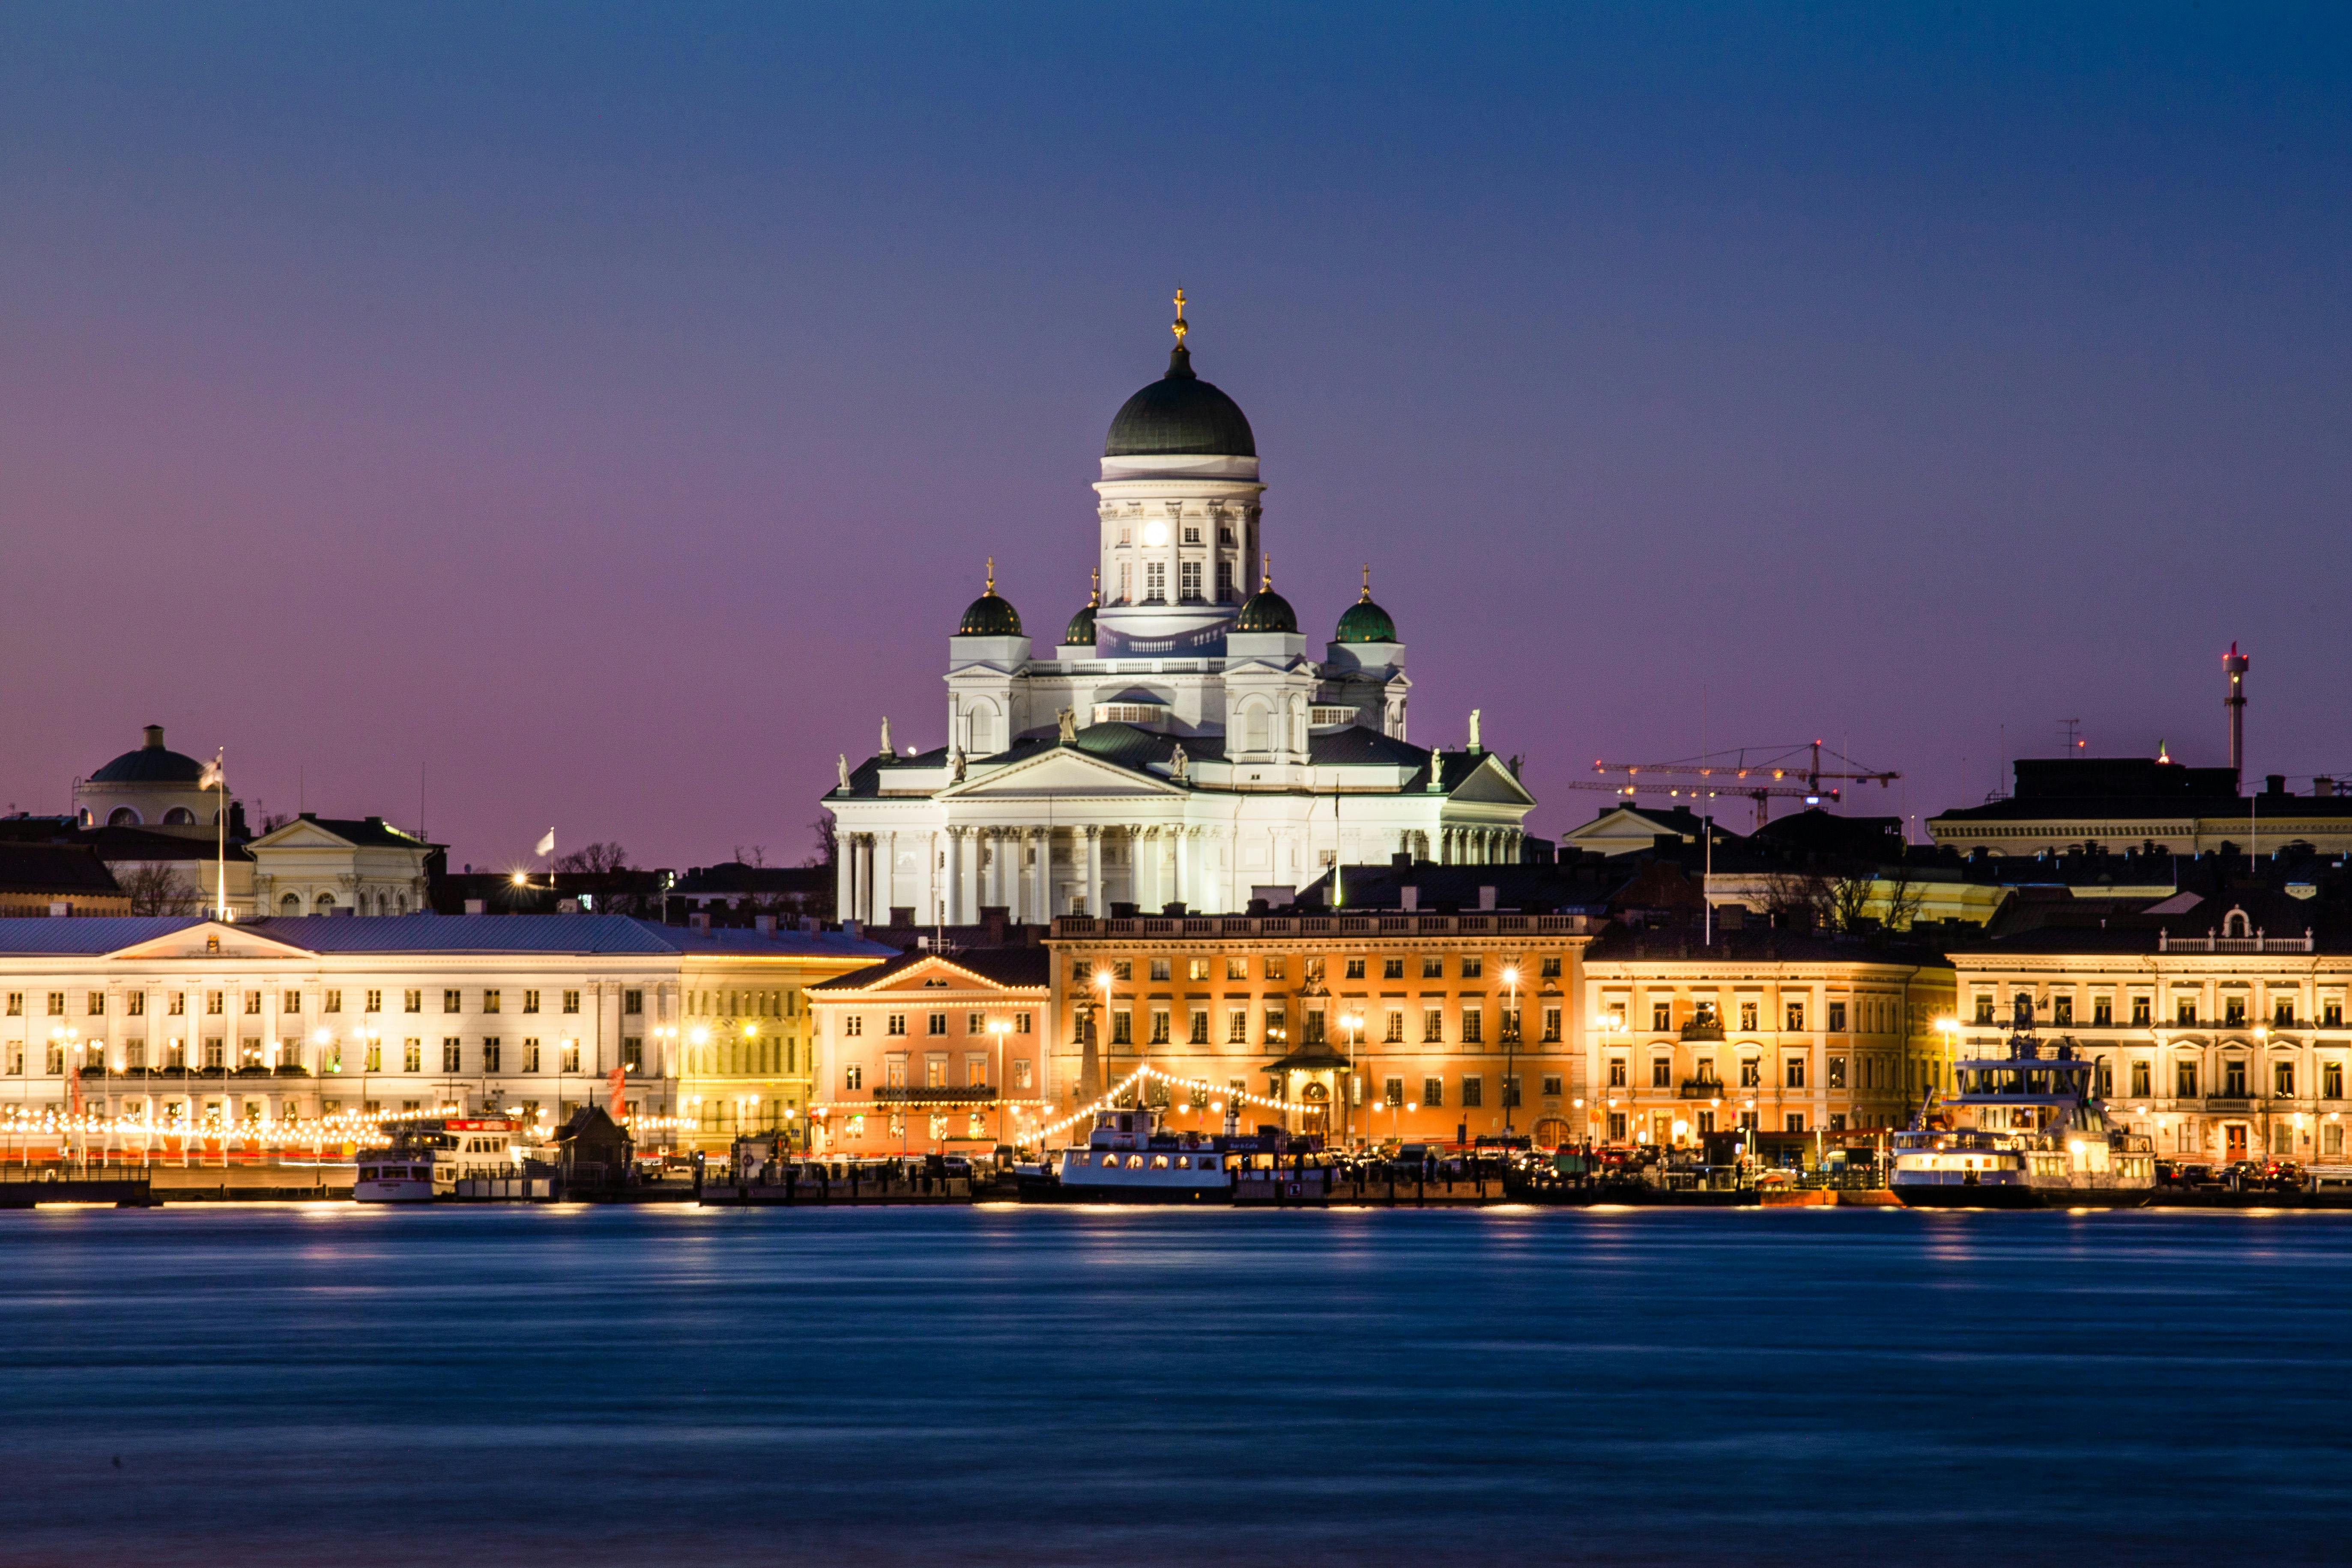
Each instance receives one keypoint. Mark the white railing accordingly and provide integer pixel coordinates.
(2210, 942)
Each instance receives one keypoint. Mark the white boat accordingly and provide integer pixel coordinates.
(1127, 1159)
(2024, 1130)
(429, 1156)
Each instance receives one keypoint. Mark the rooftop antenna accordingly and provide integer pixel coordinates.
(2233, 664)
(2072, 727)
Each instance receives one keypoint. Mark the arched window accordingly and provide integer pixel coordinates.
(1257, 729)
(326, 904)
(400, 904)
(122, 816)
(2235, 924)
(292, 904)
(179, 816)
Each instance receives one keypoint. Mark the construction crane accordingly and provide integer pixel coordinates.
(1792, 772)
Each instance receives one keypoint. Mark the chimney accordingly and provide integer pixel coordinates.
(154, 734)
(2323, 786)
(2233, 664)
(1486, 901)
(1411, 897)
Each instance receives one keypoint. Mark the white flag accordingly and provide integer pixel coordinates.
(211, 777)
(546, 844)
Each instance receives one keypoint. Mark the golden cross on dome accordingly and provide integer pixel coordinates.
(1265, 570)
(1094, 599)
(1367, 583)
(1179, 329)
(992, 574)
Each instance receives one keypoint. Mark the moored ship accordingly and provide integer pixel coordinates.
(1129, 1158)
(426, 1157)
(2024, 1130)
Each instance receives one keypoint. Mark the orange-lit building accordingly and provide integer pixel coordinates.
(932, 1053)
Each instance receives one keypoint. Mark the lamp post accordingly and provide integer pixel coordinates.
(1510, 1047)
(1353, 1022)
(997, 1029)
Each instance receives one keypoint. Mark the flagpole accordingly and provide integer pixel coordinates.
(220, 824)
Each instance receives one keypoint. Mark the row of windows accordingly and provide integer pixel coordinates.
(1878, 1015)
(1870, 1072)
(1086, 971)
(490, 1054)
(974, 1024)
(1314, 1027)
(744, 1004)
(215, 1002)
(2184, 1011)
(935, 1072)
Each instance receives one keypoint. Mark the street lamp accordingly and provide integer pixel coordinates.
(1353, 1022)
(998, 1028)
(1510, 1047)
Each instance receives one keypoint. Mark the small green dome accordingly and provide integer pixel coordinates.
(1267, 611)
(1366, 622)
(988, 615)
(1081, 632)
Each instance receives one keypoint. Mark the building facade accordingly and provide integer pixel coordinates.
(934, 1053)
(2219, 1032)
(746, 1038)
(1178, 744)
(1764, 1029)
(187, 1020)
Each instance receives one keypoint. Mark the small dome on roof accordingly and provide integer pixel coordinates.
(1081, 632)
(1364, 621)
(988, 615)
(150, 763)
(1267, 611)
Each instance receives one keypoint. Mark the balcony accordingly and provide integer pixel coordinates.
(1703, 1029)
(1700, 1089)
(904, 1094)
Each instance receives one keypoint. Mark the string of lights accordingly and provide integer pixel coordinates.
(1110, 1101)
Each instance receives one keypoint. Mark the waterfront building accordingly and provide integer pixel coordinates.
(185, 1019)
(1765, 1028)
(2217, 1020)
(748, 1033)
(1178, 744)
(934, 1053)
(2069, 805)
(1363, 1027)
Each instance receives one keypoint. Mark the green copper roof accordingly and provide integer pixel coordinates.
(1180, 415)
(1366, 622)
(1267, 611)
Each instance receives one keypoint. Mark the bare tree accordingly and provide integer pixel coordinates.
(598, 858)
(828, 845)
(1796, 898)
(751, 855)
(1904, 893)
(1849, 903)
(155, 890)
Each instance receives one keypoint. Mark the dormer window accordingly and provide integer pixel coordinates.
(2235, 924)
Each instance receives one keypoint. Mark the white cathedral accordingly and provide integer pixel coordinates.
(1178, 746)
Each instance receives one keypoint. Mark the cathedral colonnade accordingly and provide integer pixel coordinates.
(1034, 873)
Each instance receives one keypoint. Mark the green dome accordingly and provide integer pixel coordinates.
(1180, 415)
(988, 615)
(1364, 621)
(1267, 611)
(1081, 632)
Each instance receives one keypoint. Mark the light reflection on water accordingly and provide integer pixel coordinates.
(589, 1385)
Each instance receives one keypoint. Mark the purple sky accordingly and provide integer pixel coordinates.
(607, 412)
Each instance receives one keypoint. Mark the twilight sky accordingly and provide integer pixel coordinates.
(606, 410)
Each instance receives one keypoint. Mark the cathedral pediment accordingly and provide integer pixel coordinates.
(1062, 771)
(1490, 781)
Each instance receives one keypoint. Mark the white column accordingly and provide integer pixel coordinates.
(1041, 886)
(1094, 873)
(954, 878)
(885, 874)
(1183, 867)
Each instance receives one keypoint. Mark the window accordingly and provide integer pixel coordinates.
(1237, 1026)
(1662, 1015)
(936, 1024)
(1751, 1072)
(2184, 1080)
(2331, 1080)
(1433, 1025)
(1237, 969)
(1160, 1026)
(1199, 1034)
(1355, 969)
(213, 1002)
(1155, 581)
(1021, 1072)
(1617, 1072)
(252, 1004)
(976, 1023)
(1796, 1122)
(853, 1025)
(16, 1004)
(2103, 1012)
(136, 1003)
(571, 1055)
(2283, 1012)
(1160, 969)
(632, 1001)
(1474, 1025)
(2184, 1010)
(895, 1024)
(1551, 1086)
(1274, 1022)
(2141, 1007)
(1511, 1089)
(453, 1002)
(1122, 1027)
(633, 1053)
(2282, 1080)
(1837, 1071)
(491, 1052)
(853, 1077)
(1748, 1016)
(1433, 969)
(490, 1001)
(178, 1004)
(1187, 579)
(2233, 1010)
(2061, 1011)
(1551, 967)
(1392, 968)
(1796, 1016)
(2233, 1079)
(1432, 1093)
(1474, 968)
(334, 1002)
(1796, 1079)
(1837, 1017)
(1274, 969)
(1984, 1010)
(1662, 1072)
(1551, 1026)
(1474, 1093)
(2140, 1075)
(1123, 968)
(530, 1002)
(1225, 581)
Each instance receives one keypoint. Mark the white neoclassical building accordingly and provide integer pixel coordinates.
(1179, 745)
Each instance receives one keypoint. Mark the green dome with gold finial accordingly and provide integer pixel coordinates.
(990, 615)
(1267, 611)
(1180, 415)
(1081, 632)
(1364, 621)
